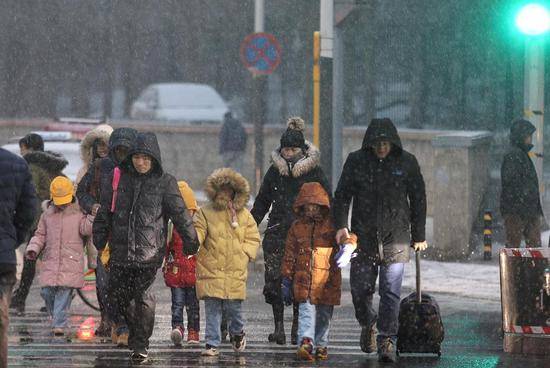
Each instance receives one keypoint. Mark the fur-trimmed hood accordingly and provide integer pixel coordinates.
(311, 159)
(102, 132)
(227, 177)
(51, 162)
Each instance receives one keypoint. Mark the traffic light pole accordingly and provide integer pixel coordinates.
(325, 134)
(534, 99)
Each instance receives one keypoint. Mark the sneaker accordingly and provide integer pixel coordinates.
(238, 342)
(192, 337)
(368, 339)
(321, 353)
(20, 310)
(305, 351)
(387, 352)
(177, 335)
(210, 351)
(58, 331)
(139, 355)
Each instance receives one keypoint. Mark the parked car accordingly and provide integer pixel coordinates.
(59, 142)
(180, 102)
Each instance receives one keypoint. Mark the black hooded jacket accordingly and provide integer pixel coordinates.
(520, 194)
(44, 167)
(100, 172)
(389, 197)
(136, 230)
(279, 189)
(232, 136)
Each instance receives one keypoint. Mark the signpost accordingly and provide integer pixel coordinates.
(260, 54)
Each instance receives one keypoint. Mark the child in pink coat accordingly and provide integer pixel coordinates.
(59, 238)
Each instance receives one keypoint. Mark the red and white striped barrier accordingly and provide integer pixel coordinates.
(531, 330)
(527, 252)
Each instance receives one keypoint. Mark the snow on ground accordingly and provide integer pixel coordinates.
(477, 281)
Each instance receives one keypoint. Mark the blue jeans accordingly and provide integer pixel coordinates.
(363, 276)
(58, 301)
(314, 323)
(185, 297)
(213, 311)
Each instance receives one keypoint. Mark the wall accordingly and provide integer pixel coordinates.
(454, 165)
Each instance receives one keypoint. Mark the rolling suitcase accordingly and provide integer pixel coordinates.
(420, 325)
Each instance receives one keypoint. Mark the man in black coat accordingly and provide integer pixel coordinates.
(388, 216)
(232, 142)
(88, 192)
(146, 199)
(17, 213)
(520, 197)
(44, 167)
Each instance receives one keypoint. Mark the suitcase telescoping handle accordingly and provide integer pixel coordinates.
(418, 290)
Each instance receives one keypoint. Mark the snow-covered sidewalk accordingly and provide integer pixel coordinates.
(471, 280)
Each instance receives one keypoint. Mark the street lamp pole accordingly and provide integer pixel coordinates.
(533, 20)
(533, 97)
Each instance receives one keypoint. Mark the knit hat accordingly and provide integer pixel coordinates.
(188, 196)
(61, 190)
(293, 135)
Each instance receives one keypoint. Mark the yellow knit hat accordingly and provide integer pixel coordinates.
(61, 190)
(188, 196)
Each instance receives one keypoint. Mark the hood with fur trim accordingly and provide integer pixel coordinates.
(51, 162)
(102, 132)
(226, 177)
(311, 159)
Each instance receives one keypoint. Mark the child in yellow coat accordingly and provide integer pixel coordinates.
(229, 239)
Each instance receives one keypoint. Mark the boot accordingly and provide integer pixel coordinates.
(104, 328)
(278, 336)
(294, 330)
(368, 338)
(387, 352)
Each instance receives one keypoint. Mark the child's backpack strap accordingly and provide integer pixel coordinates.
(116, 180)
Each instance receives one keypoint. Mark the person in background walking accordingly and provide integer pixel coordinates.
(44, 167)
(60, 237)
(520, 197)
(232, 142)
(18, 210)
(294, 163)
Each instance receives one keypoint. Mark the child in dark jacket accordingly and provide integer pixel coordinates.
(311, 269)
(179, 275)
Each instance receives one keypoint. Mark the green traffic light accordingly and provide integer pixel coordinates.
(533, 19)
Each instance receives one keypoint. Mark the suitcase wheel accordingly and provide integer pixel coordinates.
(439, 354)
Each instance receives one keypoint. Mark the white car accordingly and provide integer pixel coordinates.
(180, 102)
